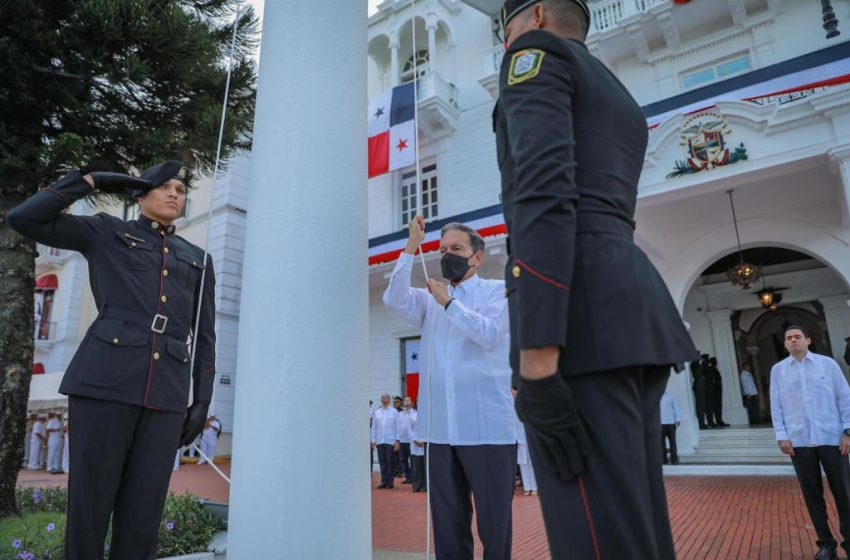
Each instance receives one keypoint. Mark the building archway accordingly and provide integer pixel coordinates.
(761, 345)
(731, 324)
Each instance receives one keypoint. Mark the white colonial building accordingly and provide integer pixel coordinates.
(747, 95)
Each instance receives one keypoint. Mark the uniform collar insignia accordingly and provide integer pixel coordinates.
(153, 224)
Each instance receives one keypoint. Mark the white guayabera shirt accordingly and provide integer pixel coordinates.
(467, 361)
(809, 401)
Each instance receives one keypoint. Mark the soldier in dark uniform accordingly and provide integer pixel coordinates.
(700, 388)
(714, 382)
(129, 381)
(594, 330)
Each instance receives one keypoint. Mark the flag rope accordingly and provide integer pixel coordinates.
(429, 348)
(210, 211)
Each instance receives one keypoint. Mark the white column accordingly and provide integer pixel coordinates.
(300, 484)
(837, 313)
(840, 159)
(431, 26)
(227, 247)
(724, 348)
(394, 61)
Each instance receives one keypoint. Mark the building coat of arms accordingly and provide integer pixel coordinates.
(705, 137)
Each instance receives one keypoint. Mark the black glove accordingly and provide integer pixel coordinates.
(550, 415)
(196, 417)
(117, 183)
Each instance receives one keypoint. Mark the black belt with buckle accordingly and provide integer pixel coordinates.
(157, 323)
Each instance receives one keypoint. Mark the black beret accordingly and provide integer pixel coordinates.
(159, 174)
(512, 7)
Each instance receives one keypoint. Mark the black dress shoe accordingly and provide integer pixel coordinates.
(826, 553)
(390, 486)
(381, 486)
(407, 481)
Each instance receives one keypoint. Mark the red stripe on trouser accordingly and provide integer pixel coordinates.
(594, 540)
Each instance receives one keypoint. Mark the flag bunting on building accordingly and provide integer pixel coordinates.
(392, 133)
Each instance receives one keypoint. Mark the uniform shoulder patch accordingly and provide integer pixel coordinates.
(525, 64)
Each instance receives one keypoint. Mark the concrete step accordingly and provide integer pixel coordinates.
(706, 459)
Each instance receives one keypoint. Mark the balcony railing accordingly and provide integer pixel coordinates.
(433, 85)
(607, 14)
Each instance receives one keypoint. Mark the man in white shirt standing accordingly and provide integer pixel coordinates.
(54, 443)
(38, 442)
(810, 404)
(385, 439)
(750, 393)
(671, 418)
(406, 424)
(464, 350)
(209, 439)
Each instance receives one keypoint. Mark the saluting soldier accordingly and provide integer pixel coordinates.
(594, 330)
(129, 382)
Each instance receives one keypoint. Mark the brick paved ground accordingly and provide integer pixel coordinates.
(713, 518)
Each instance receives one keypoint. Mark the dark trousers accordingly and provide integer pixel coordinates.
(618, 508)
(418, 473)
(715, 407)
(404, 459)
(485, 471)
(752, 405)
(121, 459)
(668, 433)
(807, 463)
(385, 459)
(699, 402)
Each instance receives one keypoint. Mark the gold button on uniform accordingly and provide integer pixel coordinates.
(165, 250)
(114, 341)
(163, 299)
(155, 225)
(156, 355)
(185, 360)
(133, 244)
(194, 263)
(165, 272)
(516, 271)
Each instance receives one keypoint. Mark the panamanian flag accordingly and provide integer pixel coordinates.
(392, 134)
(411, 368)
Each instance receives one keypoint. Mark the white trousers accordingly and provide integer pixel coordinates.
(35, 454)
(66, 457)
(529, 482)
(208, 447)
(54, 453)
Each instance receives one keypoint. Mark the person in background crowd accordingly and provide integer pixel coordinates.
(38, 442)
(671, 419)
(750, 393)
(700, 388)
(66, 453)
(209, 439)
(523, 459)
(715, 394)
(28, 438)
(810, 408)
(385, 439)
(418, 471)
(54, 443)
(406, 426)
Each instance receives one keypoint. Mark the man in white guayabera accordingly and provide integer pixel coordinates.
(464, 349)
(810, 405)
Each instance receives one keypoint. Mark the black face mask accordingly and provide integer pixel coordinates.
(454, 267)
